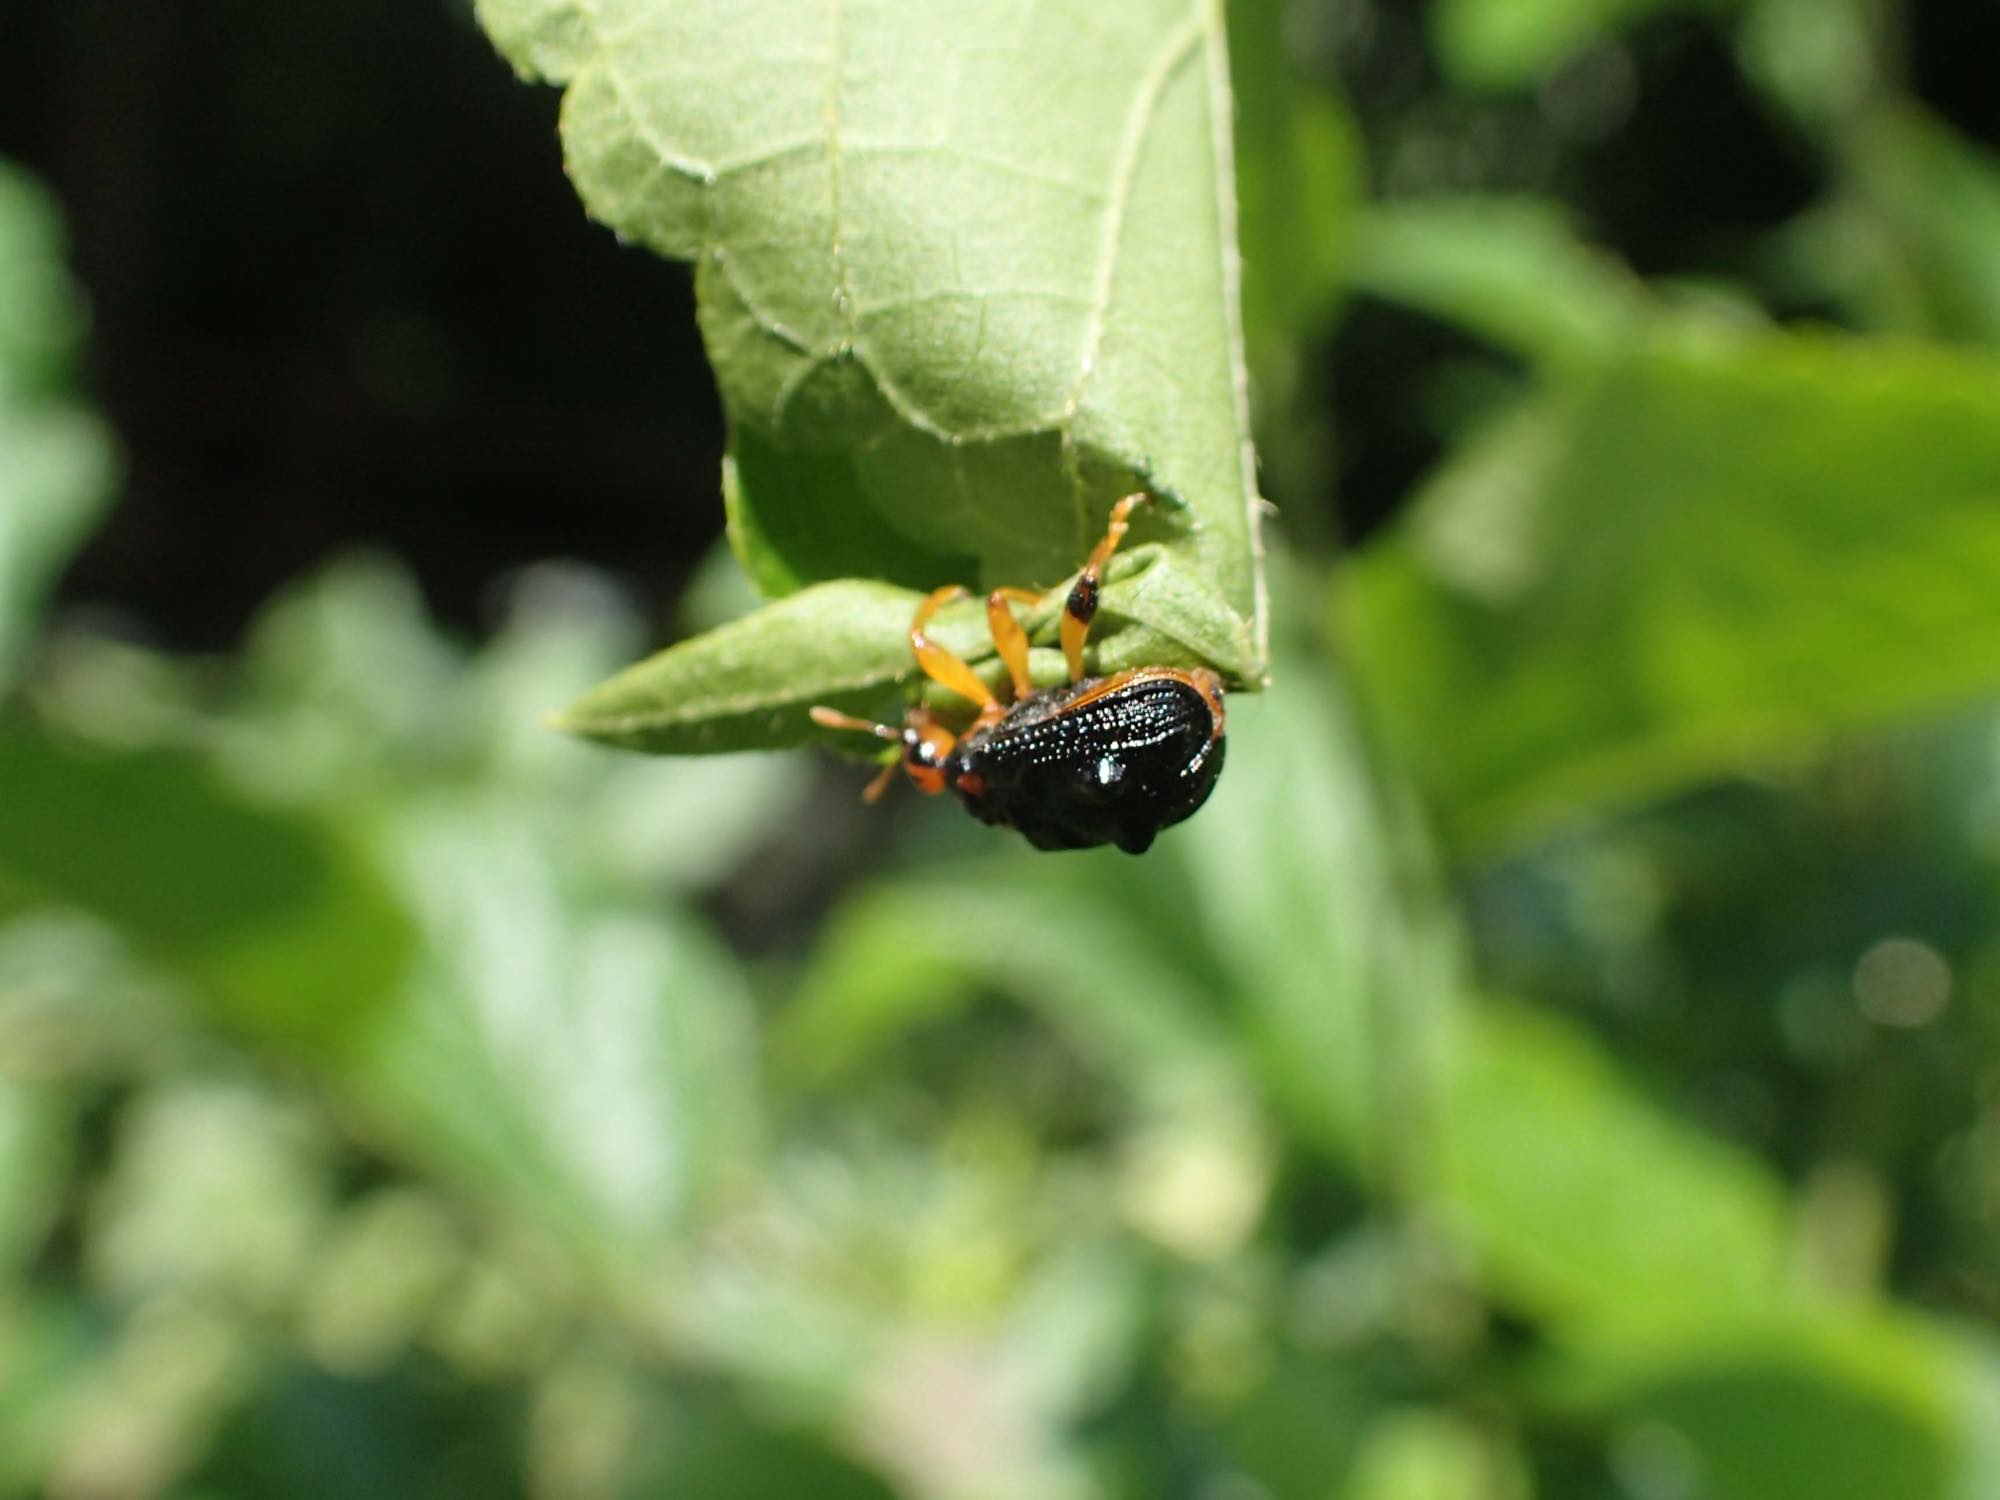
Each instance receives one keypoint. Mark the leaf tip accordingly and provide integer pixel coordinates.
(579, 723)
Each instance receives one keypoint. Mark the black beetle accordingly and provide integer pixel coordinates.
(1099, 760)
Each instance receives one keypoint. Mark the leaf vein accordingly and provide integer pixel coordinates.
(746, 703)
(843, 286)
(669, 159)
(851, 147)
(1179, 45)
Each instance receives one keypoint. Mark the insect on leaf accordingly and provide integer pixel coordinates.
(749, 684)
(966, 272)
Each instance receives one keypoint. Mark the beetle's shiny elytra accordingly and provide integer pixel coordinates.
(1099, 760)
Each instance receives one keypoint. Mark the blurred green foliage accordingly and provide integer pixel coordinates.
(1559, 1062)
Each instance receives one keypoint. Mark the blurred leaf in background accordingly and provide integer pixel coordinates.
(56, 464)
(1705, 551)
(1503, 44)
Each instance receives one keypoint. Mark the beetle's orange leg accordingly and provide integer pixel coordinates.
(1008, 636)
(1081, 606)
(940, 664)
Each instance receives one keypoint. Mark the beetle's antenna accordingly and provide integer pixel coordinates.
(833, 718)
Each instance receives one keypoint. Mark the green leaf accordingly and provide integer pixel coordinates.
(56, 462)
(305, 1432)
(704, 1444)
(1588, 1207)
(1302, 884)
(53, 1349)
(41, 309)
(1938, 198)
(582, 1060)
(34, 1154)
(56, 469)
(1785, 1425)
(1702, 555)
(1419, 1454)
(966, 276)
(1510, 270)
(1839, 1399)
(900, 955)
(1509, 44)
(1660, 1264)
(1816, 59)
(276, 923)
(748, 684)
(1297, 1433)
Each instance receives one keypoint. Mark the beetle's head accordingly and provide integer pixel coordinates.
(926, 743)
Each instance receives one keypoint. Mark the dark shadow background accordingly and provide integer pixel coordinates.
(343, 294)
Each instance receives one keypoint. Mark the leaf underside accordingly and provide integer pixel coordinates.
(749, 684)
(966, 273)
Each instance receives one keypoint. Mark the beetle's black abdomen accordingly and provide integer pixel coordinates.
(1103, 761)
